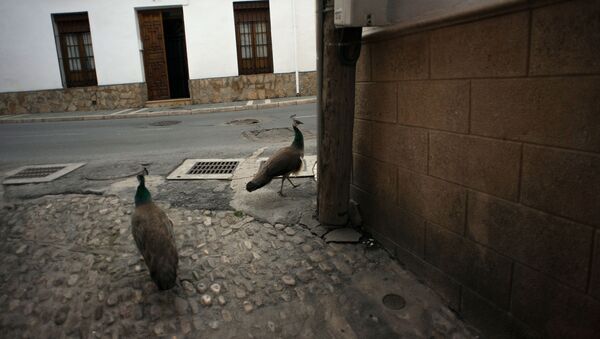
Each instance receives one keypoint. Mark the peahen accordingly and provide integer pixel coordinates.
(284, 162)
(153, 234)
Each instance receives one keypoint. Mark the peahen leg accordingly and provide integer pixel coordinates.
(281, 189)
(288, 178)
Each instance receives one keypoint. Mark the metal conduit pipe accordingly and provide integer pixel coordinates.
(319, 8)
(295, 46)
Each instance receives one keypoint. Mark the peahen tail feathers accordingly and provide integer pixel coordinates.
(258, 182)
(163, 271)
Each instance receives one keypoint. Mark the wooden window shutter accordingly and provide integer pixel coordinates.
(76, 52)
(253, 35)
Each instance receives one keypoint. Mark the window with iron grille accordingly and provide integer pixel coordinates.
(253, 33)
(75, 51)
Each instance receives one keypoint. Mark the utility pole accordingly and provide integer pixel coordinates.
(339, 49)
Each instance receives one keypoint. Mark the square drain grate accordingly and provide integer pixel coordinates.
(205, 169)
(36, 172)
(39, 173)
(308, 164)
(214, 167)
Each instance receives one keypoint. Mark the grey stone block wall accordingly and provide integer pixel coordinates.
(202, 91)
(251, 87)
(74, 99)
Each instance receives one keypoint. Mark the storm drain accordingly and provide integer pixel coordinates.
(164, 123)
(205, 169)
(36, 172)
(308, 166)
(214, 167)
(243, 122)
(39, 173)
(394, 302)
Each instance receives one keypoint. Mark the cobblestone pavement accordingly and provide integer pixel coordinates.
(69, 268)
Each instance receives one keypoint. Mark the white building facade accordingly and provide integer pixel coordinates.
(100, 54)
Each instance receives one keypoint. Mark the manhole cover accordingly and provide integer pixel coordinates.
(284, 134)
(243, 122)
(272, 133)
(165, 123)
(39, 173)
(394, 302)
(198, 169)
(213, 167)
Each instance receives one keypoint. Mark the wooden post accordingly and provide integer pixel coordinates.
(340, 49)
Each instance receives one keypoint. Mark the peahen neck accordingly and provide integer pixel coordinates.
(142, 195)
(298, 139)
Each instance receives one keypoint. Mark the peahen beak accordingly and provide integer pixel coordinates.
(294, 121)
(143, 172)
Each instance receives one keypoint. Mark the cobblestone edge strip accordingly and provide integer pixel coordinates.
(165, 113)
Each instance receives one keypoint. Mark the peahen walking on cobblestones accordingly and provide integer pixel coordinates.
(284, 162)
(153, 234)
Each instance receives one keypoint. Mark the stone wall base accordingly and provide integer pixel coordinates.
(74, 99)
(251, 87)
(203, 91)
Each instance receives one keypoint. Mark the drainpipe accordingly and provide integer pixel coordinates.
(295, 46)
(319, 7)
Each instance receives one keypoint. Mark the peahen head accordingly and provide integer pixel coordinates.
(142, 195)
(298, 137)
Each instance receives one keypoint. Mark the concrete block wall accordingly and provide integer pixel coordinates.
(477, 163)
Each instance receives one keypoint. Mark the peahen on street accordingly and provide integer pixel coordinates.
(153, 234)
(284, 162)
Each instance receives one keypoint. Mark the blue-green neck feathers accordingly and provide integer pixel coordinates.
(142, 195)
(298, 139)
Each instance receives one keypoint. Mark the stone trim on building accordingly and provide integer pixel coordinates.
(251, 87)
(202, 91)
(74, 99)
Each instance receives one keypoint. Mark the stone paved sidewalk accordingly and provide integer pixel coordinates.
(69, 269)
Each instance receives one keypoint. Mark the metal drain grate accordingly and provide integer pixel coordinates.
(39, 173)
(214, 167)
(35, 172)
(205, 169)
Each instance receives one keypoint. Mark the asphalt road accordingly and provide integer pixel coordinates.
(139, 139)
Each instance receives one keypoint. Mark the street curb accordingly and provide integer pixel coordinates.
(232, 108)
